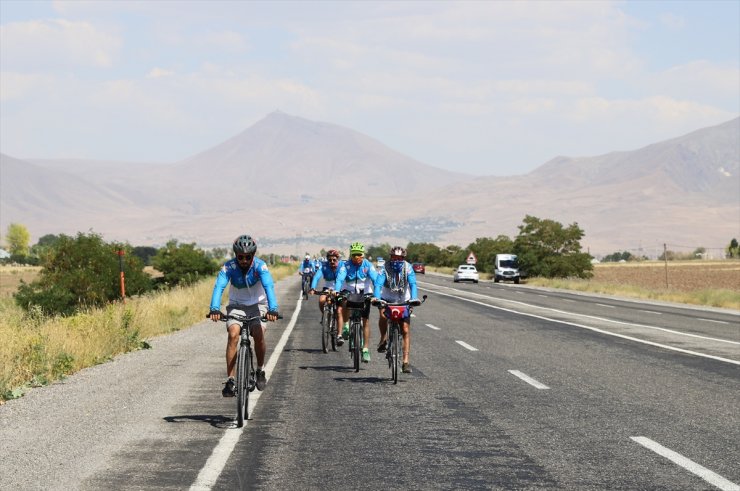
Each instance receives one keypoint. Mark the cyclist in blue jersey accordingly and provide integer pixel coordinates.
(396, 283)
(252, 293)
(357, 275)
(328, 272)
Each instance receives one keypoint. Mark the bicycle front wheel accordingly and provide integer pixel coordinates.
(394, 352)
(357, 347)
(242, 385)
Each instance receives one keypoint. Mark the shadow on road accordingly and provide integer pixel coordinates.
(216, 421)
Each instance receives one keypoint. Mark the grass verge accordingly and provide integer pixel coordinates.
(36, 350)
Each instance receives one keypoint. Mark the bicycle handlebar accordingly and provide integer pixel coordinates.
(224, 317)
(379, 302)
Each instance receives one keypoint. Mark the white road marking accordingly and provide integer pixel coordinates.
(528, 379)
(432, 327)
(208, 475)
(651, 312)
(712, 478)
(605, 305)
(712, 320)
(595, 329)
(466, 345)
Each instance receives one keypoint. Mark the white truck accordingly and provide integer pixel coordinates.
(506, 268)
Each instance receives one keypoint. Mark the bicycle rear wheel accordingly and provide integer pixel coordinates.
(394, 352)
(242, 385)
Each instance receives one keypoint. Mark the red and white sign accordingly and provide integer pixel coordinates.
(471, 258)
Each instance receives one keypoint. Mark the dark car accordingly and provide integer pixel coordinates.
(419, 268)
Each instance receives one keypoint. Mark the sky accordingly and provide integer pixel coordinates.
(482, 87)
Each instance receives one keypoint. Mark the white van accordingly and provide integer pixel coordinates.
(506, 268)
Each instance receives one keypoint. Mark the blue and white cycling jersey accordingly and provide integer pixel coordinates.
(396, 288)
(253, 287)
(306, 264)
(329, 275)
(356, 278)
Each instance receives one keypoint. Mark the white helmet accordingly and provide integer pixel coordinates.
(308, 256)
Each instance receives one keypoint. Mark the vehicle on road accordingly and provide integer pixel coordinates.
(419, 268)
(506, 268)
(466, 272)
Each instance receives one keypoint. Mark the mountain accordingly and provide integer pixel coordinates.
(302, 185)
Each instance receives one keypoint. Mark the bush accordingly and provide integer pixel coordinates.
(183, 264)
(80, 272)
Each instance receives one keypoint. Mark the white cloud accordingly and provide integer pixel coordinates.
(42, 45)
(157, 72)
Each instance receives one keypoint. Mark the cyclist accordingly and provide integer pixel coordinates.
(252, 293)
(328, 272)
(356, 275)
(397, 283)
(307, 268)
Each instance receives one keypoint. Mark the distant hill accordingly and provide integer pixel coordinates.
(320, 185)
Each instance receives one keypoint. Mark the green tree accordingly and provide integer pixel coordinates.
(733, 250)
(183, 264)
(424, 252)
(546, 248)
(378, 250)
(80, 272)
(17, 239)
(145, 253)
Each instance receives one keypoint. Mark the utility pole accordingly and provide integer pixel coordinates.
(120, 253)
(665, 257)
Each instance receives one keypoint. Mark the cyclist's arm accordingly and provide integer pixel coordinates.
(412, 282)
(218, 289)
(269, 286)
(372, 273)
(341, 275)
(315, 281)
(378, 285)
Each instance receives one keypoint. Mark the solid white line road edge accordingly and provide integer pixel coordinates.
(528, 379)
(711, 477)
(208, 475)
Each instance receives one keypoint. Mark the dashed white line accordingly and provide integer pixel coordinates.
(432, 327)
(466, 345)
(651, 312)
(605, 305)
(528, 379)
(208, 475)
(711, 477)
(712, 320)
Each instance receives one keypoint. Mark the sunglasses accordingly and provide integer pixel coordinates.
(357, 255)
(244, 257)
(333, 259)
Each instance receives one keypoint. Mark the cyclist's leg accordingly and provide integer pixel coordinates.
(366, 333)
(406, 331)
(232, 344)
(383, 328)
(322, 302)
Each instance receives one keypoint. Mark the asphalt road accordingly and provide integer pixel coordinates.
(512, 388)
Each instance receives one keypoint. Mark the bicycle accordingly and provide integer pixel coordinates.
(245, 380)
(356, 303)
(306, 276)
(329, 321)
(395, 313)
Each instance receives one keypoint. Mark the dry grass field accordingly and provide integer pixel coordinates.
(685, 276)
(11, 276)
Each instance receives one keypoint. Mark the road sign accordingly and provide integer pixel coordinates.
(471, 258)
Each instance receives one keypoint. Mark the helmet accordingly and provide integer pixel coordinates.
(356, 248)
(308, 256)
(244, 244)
(397, 251)
(332, 252)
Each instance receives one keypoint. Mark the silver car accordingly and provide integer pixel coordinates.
(466, 272)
